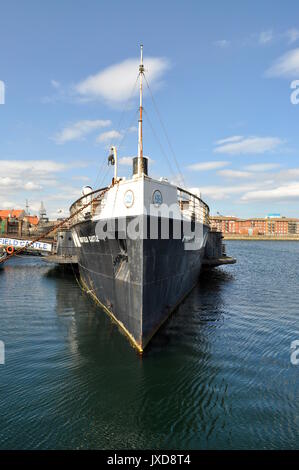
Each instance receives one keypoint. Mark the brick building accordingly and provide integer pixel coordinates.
(276, 226)
(17, 222)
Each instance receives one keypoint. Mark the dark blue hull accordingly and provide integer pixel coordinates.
(138, 282)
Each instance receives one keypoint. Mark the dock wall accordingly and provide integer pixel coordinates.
(227, 236)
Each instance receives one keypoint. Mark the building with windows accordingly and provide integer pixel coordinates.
(276, 226)
(17, 222)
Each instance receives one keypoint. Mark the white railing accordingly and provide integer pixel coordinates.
(193, 207)
(95, 205)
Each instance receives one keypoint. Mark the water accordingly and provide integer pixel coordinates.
(218, 375)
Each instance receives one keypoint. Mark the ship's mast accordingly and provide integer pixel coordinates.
(140, 143)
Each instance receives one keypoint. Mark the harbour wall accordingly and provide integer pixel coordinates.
(229, 236)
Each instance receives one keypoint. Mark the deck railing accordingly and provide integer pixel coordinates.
(96, 205)
(191, 206)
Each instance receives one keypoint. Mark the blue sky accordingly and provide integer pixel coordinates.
(220, 73)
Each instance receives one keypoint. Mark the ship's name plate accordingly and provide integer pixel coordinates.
(91, 239)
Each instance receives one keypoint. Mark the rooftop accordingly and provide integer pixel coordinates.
(4, 214)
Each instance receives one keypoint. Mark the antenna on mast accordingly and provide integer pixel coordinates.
(140, 143)
(140, 162)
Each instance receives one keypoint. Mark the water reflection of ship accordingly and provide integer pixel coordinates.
(191, 321)
(82, 316)
(124, 393)
(203, 307)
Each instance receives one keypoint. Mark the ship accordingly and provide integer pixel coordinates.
(140, 243)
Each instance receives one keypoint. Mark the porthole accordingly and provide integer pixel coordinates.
(157, 198)
(129, 198)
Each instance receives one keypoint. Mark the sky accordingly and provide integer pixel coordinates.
(222, 76)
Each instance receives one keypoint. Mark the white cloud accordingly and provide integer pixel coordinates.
(205, 166)
(284, 192)
(79, 130)
(285, 66)
(224, 192)
(234, 138)
(262, 167)
(4, 204)
(37, 180)
(177, 180)
(55, 84)
(247, 145)
(265, 37)
(21, 179)
(68, 193)
(289, 174)
(222, 43)
(31, 186)
(109, 136)
(292, 34)
(126, 161)
(57, 204)
(26, 174)
(235, 174)
(114, 84)
(20, 168)
(80, 178)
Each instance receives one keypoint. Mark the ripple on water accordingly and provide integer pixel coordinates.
(217, 375)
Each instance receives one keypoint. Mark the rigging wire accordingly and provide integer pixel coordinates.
(126, 133)
(126, 106)
(121, 143)
(159, 143)
(100, 172)
(164, 129)
(124, 110)
(101, 182)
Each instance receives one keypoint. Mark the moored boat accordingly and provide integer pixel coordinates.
(140, 244)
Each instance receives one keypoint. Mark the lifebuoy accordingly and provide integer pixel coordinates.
(10, 249)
